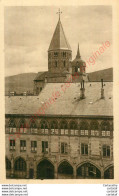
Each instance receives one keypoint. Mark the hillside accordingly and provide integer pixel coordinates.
(24, 82)
(106, 75)
(19, 83)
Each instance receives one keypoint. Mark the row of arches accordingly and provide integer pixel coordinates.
(73, 125)
(46, 170)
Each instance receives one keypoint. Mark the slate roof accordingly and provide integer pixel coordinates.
(68, 103)
(59, 40)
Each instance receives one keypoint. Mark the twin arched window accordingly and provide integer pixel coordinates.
(12, 126)
(44, 127)
(73, 128)
(84, 128)
(94, 128)
(22, 126)
(105, 127)
(33, 127)
(63, 125)
(54, 127)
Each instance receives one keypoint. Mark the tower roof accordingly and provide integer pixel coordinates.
(59, 40)
(78, 53)
(78, 61)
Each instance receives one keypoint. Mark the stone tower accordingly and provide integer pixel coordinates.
(79, 67)
(59, 52)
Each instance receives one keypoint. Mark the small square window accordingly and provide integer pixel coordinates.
(72, 132)
(86, 132)
(76, 132)
(62, 131)
(107, 133)
(82, 132)
(103, 133)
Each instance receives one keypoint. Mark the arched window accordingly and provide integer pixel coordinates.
(73, 128)
(64, 127)
(44, 127)
(55, 54)
(8, 164)
(33, 127)
(84, 128)
(105, 127)
(20, 165)
(12, 126)
(94, 128)
(22, 126)
(64, 54)
(64, 62)
(54, 127)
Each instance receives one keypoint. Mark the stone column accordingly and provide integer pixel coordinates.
(102, 173)
(27, 172)
(12, 167)
(56, 171)
(74, 172)
(35, 169)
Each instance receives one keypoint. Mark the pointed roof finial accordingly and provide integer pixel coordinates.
(78, 52)
(59, 12)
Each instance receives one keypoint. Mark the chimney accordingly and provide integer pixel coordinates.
(82, 90)
(102, 90)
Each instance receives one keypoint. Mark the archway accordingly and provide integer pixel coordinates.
(20, 168)
(65, 170)
(109, 173)
(88, 171)
(45, 170)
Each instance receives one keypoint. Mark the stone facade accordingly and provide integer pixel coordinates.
(63, 147)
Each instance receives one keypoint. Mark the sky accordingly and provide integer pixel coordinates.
(28, 32)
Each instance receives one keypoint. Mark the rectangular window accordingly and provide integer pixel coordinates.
(12, 144)
(64, 131)
(33, 146)
(106, 151)
(22, 145)
(74, 132)
(34, 130)
(94, 133)
(84, 132)
(12, 130)
(54, 131)
(106, 133)
(22, 130)
(64, 148)
(103, 133)
(84, 149)
(45, 147)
